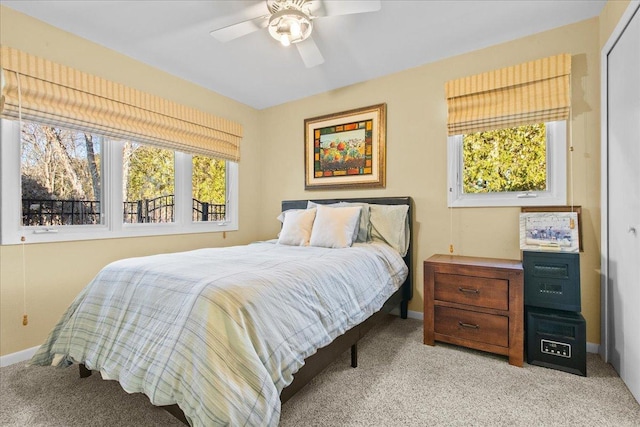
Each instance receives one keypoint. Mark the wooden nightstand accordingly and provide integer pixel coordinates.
(476, 303)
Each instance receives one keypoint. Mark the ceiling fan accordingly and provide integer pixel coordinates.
(291, 22)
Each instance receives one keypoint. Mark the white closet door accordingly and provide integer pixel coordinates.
(623, 103)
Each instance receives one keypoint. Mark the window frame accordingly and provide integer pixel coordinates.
(555, 195)
(11, 230)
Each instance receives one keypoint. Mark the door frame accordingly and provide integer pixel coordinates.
(625, 20)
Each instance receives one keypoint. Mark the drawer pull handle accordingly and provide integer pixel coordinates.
(468, 325)
(469, 291)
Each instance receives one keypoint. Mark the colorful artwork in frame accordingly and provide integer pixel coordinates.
(346, 150)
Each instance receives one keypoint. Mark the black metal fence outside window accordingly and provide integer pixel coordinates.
(155, 210)
(79, 212)
(203, 211)
(60, 212)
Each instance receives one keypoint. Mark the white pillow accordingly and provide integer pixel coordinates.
(283, 213)
(364, 225)
(335, 227)
(363, 231)
(296, 227)
(390, 224)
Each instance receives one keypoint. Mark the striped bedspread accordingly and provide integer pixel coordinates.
(221, 331)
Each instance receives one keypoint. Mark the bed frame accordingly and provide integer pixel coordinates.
(326, 355)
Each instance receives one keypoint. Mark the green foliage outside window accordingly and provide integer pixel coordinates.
(512, 159)
(148, 172)
(208, 180)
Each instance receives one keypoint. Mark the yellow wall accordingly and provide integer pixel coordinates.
(56, 272)
(417, 158)
(416, 165)
(609, 17)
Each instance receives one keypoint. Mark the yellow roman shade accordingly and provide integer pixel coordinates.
(533, 92)
(43, 91)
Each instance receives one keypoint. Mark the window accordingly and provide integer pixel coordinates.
(60, 174)
(495, 156)
(90, 187)
(521, 166)
(60, 184)
(208, 188)
(148, 183)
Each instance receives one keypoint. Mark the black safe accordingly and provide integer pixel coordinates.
(552, 280)
(557, 339)
(555, 329)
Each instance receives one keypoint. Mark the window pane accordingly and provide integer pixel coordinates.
(209, 189)
(505, 160)
(147, 183)
(60, 176)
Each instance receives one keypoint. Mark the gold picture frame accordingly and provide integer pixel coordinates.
(346, 150)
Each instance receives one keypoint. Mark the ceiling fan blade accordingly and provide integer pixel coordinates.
(333, 8)
(240, 29)
(310, 53)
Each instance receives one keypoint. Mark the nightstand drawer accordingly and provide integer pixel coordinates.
(469, 325)
(472, 290)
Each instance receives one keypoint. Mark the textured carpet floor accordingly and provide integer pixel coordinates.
(399, 382)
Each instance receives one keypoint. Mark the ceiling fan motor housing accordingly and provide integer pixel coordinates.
(278, 5)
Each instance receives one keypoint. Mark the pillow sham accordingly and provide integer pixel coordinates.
(296, 227)
(363, 232)
(390, 224)
(334, 227)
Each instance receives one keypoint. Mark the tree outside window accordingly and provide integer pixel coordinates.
(60, 176)
(505, 160)
(520, 166)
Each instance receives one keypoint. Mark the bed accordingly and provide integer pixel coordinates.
(224, 336)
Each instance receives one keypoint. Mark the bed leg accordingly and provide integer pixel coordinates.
(404, 308)
(354, 355)
(176, 412)
(84, 372)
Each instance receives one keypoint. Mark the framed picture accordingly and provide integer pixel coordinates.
(549, 231)
(552, 209)
(346, 150)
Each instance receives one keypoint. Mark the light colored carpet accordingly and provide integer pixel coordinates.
(399, 381)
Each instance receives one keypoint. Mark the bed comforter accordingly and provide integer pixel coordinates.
(221, 331)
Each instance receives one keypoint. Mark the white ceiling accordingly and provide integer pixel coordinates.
(256, 70)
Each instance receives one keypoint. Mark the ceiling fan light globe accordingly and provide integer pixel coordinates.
(284, 40)
(295, 29)
(292, 23)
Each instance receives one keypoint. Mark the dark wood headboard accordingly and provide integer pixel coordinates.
(407, 286)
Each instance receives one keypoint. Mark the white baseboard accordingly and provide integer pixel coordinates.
(418, 315)
(17, 357)
(591, 347)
